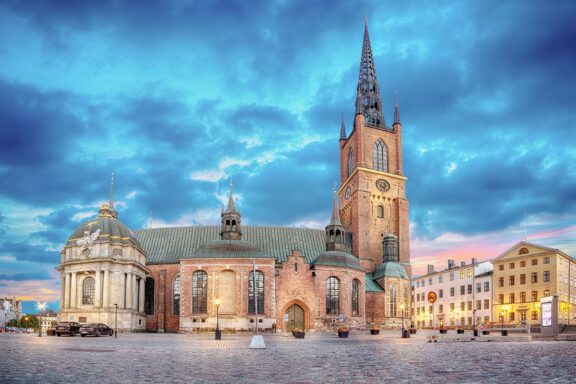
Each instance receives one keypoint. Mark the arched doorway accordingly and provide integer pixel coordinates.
(295, 317)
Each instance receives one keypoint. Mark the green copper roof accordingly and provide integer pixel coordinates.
(371, 285)
(168, 245)
(229, 249)
(390, 269)
(337, 259)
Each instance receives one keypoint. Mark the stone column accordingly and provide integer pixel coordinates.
(141, 304)
(128, 290)
(134, 292)
(62, 285)
(106, 293)
(73, 294)
(97, 290)
(66, 289)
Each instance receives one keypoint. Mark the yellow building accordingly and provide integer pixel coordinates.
(523, 275)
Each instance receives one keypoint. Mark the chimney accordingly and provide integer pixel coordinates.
(474, 261)
(430, 268)
(450, 264)
(462, 263)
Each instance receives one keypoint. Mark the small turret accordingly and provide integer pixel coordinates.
(390, 244)
(335, 239)
(342, 129)
(230, 227)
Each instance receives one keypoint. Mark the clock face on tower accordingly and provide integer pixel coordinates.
(382, 185)
(347, 192)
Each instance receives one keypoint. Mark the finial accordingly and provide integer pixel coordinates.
(112, 191)
(342, 129)
(396, 110)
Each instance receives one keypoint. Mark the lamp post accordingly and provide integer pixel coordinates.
(115, 321)
(405, 333)
(218, 335)
(41, 307)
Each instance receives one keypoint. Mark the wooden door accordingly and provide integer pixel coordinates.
(295, 317)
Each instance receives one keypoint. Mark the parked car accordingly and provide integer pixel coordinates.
(67, 328)
(95, 329)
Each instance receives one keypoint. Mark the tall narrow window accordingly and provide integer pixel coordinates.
(199, 292)
(393, 301)
(176, 295)
(149, 296)
(350, 163)
(256, 281)
(380, 156)
(88, 290)
(379, 211)
(332, 296)
(355, 298)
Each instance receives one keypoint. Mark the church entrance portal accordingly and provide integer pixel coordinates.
(295, 317)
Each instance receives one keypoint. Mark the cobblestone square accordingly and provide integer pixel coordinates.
(319, 358)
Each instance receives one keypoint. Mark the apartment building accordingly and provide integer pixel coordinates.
(527, 272)
(463, 296)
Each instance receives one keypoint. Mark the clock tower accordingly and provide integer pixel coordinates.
(372, 185)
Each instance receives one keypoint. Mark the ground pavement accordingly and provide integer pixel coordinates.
(319, 358)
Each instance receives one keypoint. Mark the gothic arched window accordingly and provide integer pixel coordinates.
(393, 300)
(355, 297)
(149, 296)
(379, 211)
(258, 282)
(88, 290)
(332, 296)
(176, 295)
(350, 163)
(380, 156)
(199, 292)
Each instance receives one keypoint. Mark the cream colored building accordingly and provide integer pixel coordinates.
(463, 296)
(103, 273)
(523, 275)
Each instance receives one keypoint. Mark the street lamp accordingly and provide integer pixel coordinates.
(218, 335)
(41, 307)
(405, 333)
(115, 321)
(26, 322)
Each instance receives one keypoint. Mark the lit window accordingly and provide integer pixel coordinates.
(462, 273)
(469, 272)
(546, 292)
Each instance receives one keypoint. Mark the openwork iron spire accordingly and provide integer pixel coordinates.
(335, 220)
(368, 101)
(342, 129)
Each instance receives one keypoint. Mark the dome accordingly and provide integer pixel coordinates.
(337, 259)
(229, 249)
(110, 231)
(390, 269)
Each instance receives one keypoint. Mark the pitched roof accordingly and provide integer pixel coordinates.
(168, 245)
(520, 244)
(371, 285)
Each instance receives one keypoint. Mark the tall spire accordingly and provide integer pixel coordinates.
(342, 129)
(368, 101)
(396, 110)
(230, 207)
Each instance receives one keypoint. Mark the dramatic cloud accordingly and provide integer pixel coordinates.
(177, 97)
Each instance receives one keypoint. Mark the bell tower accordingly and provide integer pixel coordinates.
(372, 185)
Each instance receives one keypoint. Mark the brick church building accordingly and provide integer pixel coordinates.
(355, 272)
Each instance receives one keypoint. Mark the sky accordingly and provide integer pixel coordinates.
(175, 97)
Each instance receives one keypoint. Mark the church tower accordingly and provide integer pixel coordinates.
(372, 185)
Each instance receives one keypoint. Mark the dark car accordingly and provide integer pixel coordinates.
(95, 329)
(67, 328)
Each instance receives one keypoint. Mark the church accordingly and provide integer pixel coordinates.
(355, 273)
